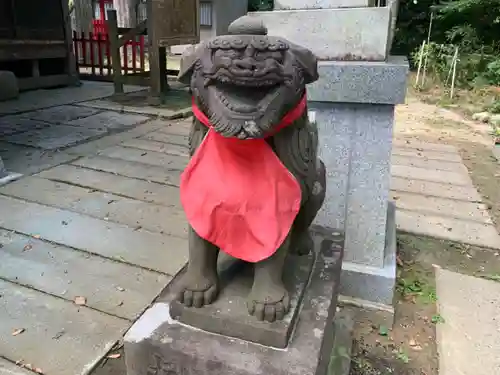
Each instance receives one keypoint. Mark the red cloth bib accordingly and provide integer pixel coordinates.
(238, 195)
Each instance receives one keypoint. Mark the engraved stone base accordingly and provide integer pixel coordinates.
(158, 344)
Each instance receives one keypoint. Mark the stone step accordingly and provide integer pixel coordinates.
(59, 337)
(321, 4)
(166, 148)
(115, 184)
(435, 165)
(469, 338)
(442, 206)
(424, 174)
(162, 253)
(427, 154)
(436, 189)
(105, 206)
(167, 138)
(112, 287)
(159, 159)
(129, 169)
(334, 34)
(447, 228)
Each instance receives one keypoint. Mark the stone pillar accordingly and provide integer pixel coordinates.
(353, 105)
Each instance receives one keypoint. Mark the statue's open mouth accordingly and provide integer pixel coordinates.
(243, 102)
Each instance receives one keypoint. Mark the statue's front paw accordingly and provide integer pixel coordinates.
(198, 291)
(269, 306)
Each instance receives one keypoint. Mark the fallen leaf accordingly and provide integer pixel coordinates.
(27, 247)
(38, 370)
(120, 289)
(399, 261)
(114, 356)
(37, 236)
(80, 301)
(417, 348)
(412, 343)
(18, 331)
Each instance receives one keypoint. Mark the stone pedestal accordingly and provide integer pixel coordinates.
(159, 344)
(353, 105)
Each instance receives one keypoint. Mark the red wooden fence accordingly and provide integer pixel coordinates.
(93, 55)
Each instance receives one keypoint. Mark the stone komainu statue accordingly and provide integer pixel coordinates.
(250, 87)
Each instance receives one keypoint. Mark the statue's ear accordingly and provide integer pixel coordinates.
(188, 62)
(308, 62)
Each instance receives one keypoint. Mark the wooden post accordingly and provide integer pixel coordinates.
(115, 51)
(154, 58)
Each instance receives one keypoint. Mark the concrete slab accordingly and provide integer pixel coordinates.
(169, 162)
(165, 148)
(442, 207)
(38, 99)
(470, 232)
(105, 206)
(318, 4)
(416, 173)
(427, 155)
(119, 185)
(19, 124)
(167, 138)
(128, 169)
(54, 137)
(109, 120)
(469, 339)
(60, 338)
(424, 146)
(150, 250)
(437, 165)
(112, 287)
(61, 114)
(9, 368)
(437, 189)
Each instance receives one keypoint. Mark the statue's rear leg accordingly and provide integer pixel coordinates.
(200, 284)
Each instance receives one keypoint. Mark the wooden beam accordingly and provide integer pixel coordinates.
(138, 30)
(115, 51)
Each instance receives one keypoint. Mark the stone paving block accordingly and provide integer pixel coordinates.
(125, 186)
(162, 253)
(468, 340)
(167, 138)
(112, 287)
(465, 231)
(415, 173)
(54, 137)
(437, 189)
(442, 206)
(18, 124)
(427, 155)
(436, 165)
(129, 169)
(109, 120)
(61, 114)
(166, 148)
(9, 368)
(163, 160)
(424, 146)
(106, 206)
(182, 127)
(60, 338)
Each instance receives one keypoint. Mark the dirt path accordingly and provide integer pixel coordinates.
(410, 347)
